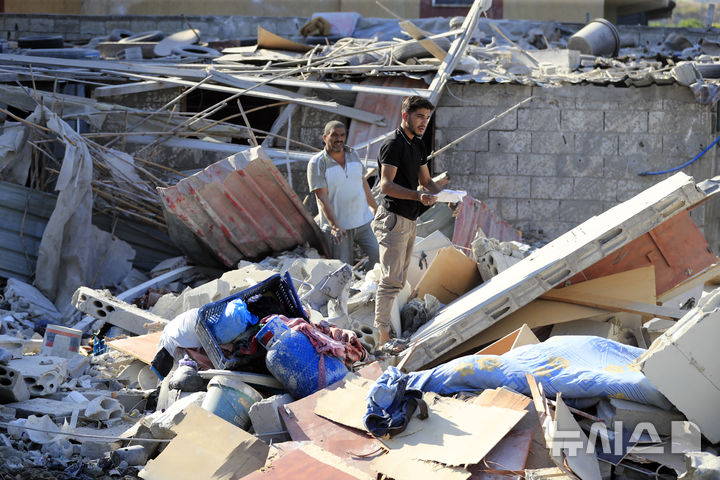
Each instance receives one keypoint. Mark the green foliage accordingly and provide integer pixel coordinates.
(691, 23)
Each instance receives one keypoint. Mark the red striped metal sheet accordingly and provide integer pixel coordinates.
(387, 105)
(475, 214)
(242, 207)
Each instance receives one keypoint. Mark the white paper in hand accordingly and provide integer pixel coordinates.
(451, 196)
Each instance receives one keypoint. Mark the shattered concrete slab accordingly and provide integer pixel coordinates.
(107, 308)
(43, 374)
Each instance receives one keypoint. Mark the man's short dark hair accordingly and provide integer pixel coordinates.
(416, 102)
(332, 125)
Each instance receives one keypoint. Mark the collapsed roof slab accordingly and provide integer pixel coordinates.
(553, 264)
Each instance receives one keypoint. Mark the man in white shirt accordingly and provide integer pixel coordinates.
(337, 177)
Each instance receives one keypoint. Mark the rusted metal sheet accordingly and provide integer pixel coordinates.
(353, 446)
(298, 465)
(676, 247)
(475, 214)
(242, 207)
(24, 214)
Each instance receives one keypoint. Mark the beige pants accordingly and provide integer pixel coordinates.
(396, 238)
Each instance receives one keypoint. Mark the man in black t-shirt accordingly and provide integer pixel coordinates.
(403, 167)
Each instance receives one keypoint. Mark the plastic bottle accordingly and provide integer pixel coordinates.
(292, 359)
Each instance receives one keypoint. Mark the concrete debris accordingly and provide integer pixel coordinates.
(104, 307)
(26, 298)
(493, 256)
(158, 217)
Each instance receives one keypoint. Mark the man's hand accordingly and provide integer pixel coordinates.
(337, 233)
(427, 198)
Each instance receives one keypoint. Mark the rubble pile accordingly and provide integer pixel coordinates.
(220, 341)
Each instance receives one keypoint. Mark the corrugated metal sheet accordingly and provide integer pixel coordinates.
(475, 214)
(24, 213)
(387, 105)
(242, 207)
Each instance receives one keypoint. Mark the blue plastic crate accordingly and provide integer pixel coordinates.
(279, 286)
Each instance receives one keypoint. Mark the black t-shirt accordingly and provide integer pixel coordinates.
(408, 156)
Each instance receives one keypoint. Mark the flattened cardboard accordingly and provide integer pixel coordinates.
(518, 338)
(451, 275)
(455, 432)
(207, 447)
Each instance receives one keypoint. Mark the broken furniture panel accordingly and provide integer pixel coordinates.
(242, 207)
(683, 365)
(677, 249)
(634, 285)
(551, 265)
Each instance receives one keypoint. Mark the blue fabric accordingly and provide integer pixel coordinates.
(235, 319)
(582, 368)
(388, 403)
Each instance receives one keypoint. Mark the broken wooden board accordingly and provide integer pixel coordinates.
(676, 247)
(636, 285)
(455, 432)
(552, 265)
(207, 447)
(615, 304)
(427, 43)
(449, 276)
(521, 336)
(142, 347)
(545, 417)
(536, 454)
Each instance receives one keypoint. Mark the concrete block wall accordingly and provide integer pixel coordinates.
(81, 28)
(572, 152)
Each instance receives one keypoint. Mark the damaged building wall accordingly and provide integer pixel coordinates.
(571, 153)
(405, 8)
(574, 152)
(81, 28)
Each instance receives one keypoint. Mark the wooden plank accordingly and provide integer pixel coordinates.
(419, 35)
(142, 347)
(615, 304)
(634, 285)
(506, 461)
(332, 107)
